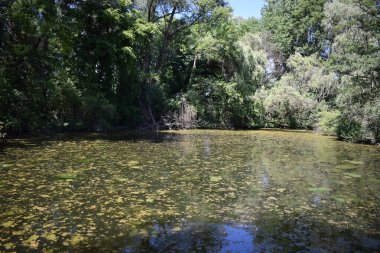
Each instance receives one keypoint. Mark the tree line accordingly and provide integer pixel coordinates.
(96, 65)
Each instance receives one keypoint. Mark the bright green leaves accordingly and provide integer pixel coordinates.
(129, 52)
(295, 25)
(67, 176)
(355, 57)
(215, 179)
(253, 60)
(129, 35)
(8, 224)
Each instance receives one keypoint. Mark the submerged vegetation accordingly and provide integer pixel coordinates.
(120, 63)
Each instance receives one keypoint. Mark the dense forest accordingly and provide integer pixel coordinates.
(98, 65)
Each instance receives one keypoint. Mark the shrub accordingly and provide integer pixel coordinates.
(99, 113)
(184, 117)
(328, 122)
(284, 106)
(349, 129)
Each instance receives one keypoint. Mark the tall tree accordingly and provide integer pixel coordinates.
(353, 28)
(295, 25)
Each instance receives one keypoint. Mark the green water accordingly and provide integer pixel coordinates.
(189, 191)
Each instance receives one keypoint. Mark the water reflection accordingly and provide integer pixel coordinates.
(289, 235)
(191, 191)
(195, 238)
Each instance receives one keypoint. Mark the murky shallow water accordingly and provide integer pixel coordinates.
(202, 191)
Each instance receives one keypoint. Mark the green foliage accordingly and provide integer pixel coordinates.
(284, 106)
(308, 75)
(215, 101)
(252, 61)
(349, 130)
(295, 25)
(328, 122)
(353, 27)
(98, 112)
(96, 65)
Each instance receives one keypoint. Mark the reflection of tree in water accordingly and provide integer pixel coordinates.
(271, 233)
(196, 237)
(192, 238)
(301, 232)
(207, 146)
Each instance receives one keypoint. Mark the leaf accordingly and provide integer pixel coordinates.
(149, 200)
(4, 165)
(77, 239)
(18, 232)
(84, 161)
(133, 163)
(129, 35)
(9, 246)
(51, 237)
(129, 51)
(32, 241)
(320, 189)
(8, 224)
(349, 174)
(66, 176)
(344, 166)
(41, 209)
(215, 179)
(272, 198)
(355, 162)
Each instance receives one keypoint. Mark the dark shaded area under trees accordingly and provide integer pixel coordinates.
(96, 65)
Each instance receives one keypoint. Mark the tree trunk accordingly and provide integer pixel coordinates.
(165, 41)
(193, 69)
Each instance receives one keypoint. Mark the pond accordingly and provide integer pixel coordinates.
(189, 191)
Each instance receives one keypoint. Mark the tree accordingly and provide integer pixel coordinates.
(352, 27)
(295, 25)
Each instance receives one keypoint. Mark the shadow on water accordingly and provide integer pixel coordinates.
(273, 234)
(45, 140)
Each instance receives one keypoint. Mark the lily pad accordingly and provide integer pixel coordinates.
(339, 199)
(66, 176)
(5, 165)
(215, 179)
(85, 161)
(133, 163)
(353, 175)
(149, 200)
(33, 238)
(319, 189)
(9, 246)
(51, 237)
(77, 239)
(344, 166)
(355, 162)
(8, 224)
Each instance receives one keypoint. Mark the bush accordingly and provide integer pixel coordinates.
(328, 122)
(217, 102)
(284, 106)
(349, 130)
(184, 116)
(99, 113)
